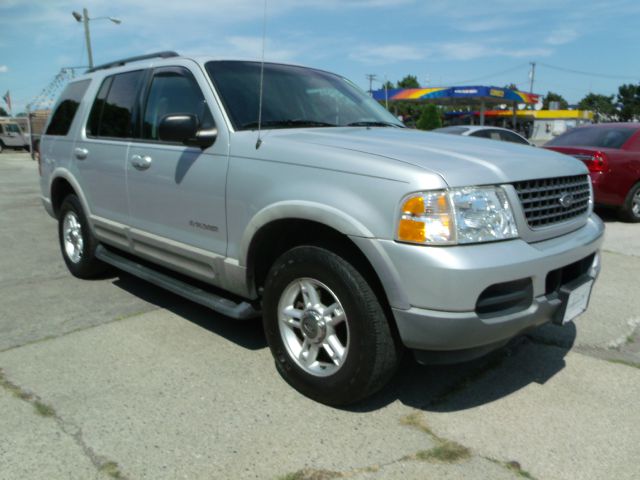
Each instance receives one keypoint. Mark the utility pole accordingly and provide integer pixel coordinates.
(371, 77)
(532, 75)
(85, 21)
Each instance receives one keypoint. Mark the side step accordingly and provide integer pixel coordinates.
(240, 311)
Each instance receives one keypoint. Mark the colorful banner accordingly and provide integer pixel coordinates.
(473, 93)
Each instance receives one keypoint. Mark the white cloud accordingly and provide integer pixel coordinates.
(4, 69)
(385, 54)
(474, 50)
(560, 37)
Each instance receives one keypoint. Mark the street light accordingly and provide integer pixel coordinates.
(84, 18)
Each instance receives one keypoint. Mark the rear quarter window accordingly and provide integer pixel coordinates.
(66, 108)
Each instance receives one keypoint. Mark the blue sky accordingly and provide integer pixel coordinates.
(442, 42)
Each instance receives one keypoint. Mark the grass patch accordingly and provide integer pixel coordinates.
(517, 469)
(446, 452)
(311, 474)
(513, 467)
(40, 407)
(628, 363)
(416, 420)
(112, 469)
(43, 409)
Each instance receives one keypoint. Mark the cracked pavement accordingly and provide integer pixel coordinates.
(145, 385)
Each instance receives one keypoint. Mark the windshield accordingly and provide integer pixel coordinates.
(12, 128)
(293, 97)
(594, 137)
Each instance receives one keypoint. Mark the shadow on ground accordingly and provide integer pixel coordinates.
(531, 358)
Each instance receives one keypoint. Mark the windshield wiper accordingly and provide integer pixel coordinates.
(288, 123)
(374, 124)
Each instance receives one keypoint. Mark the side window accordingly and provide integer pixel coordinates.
(112, 111)
(66, 108)
(1, 130)
(173, 91)
(480, 134)
(512, 137)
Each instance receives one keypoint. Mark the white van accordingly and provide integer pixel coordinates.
(11, 135)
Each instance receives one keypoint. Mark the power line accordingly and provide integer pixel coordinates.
(589, 74)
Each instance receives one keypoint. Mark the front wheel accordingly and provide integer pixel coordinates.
(327, 331)
(631, 208)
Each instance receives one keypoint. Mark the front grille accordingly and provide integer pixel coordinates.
(548, 201)
(504, 298)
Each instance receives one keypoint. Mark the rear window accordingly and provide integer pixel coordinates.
(594, 137)
(66, 109)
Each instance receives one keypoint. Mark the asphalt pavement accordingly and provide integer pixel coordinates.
(116, 378)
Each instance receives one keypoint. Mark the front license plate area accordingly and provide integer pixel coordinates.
(575, 300)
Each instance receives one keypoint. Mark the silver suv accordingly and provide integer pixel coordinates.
(306, 202)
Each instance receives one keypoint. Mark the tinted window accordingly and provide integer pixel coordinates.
(453, 130)
(114, 115)
(594, 137)
(66, 108)
(483, 134)
(1, 129)
(512, 137)
(174, 91)
(292, 96)
(96, 110)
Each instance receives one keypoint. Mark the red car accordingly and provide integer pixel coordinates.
(611, 151)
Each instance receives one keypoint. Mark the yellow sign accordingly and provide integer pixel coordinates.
(496, 93)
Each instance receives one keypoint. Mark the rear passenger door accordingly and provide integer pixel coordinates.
(101, 153)
(176, 192)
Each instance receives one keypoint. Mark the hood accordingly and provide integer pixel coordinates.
(459, 160)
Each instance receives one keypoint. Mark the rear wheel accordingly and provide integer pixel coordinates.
(631, 208)
(326, 329)
(76, 240)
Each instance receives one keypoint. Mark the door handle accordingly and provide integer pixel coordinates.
(81, 153)
(141, 162)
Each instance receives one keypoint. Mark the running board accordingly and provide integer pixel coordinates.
(240, 311)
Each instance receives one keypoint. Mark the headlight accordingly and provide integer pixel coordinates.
(458, 215)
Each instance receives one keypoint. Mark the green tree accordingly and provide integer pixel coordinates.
(601, 105)
(629, 100)
(430, 118)
(410, 81)
(3, 112)
(388, 85)
(554, 97)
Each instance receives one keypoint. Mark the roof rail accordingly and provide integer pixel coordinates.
(118, 63)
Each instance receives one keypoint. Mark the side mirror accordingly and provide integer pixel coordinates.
(184, 129)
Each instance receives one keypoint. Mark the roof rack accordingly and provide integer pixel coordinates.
(124, 61)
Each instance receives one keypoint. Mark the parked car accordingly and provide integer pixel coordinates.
(493, 133)
(611, 151)
(11, 135)
(352, 236)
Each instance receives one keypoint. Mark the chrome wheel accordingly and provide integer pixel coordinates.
(313, 327)
(72, 236)
(635, 204)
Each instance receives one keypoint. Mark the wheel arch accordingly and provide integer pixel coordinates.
(274, 238)
(62, 184)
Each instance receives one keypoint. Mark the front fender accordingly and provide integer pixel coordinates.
(302, 210)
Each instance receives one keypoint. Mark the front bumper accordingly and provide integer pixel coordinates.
(435, 290)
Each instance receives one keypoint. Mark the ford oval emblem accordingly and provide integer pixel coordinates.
(566, 200)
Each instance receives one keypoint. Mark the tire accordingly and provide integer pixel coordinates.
(77, 243)
(343, 320)
(631, 209)
(1, 147)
